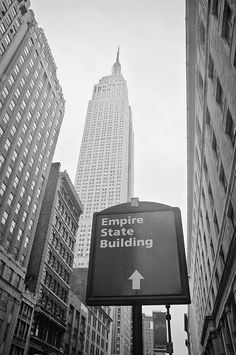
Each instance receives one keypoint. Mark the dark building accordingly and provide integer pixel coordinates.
(31, 112)
(211, 123)
(98, 327)
(74, 340)
(51, 260)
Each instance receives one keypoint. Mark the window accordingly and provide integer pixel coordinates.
(230, 128)
(219, 94)
(200, 84)
(222, 177)
(7, 145)
(216, 224)
(227, 22)
(2, 159)
(231, 214)
(3, 189)
(14, 155)
(20, 233)
(10, 199)
(208, 117)
(215, 147)
(26, 242)
(22, 191)
(210, 67)
(202, 35)
(18, 206)
(16, 181)
(12, 227)
(8, 274)
(215, 7)
(4, 217)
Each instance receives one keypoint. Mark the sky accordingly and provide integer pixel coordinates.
(84, 36)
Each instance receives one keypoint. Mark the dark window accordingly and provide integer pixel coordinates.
(200, 84)
(210, 67)
(227, 22)
(216, 224)
(230, 128)
(202, 36)
(215, 148)
(212, 250)
(208, 117)
(222, 177)
(215, 7)
(219, 94)
(210, 196)
(231, 215)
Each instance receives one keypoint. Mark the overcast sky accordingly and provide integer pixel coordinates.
(83, 36)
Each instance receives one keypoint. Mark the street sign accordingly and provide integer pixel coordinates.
(137, 256)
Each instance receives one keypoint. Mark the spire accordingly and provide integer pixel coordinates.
(116, 68)
(118, 54)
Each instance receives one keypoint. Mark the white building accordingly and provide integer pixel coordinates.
(105, 169)
(104, 174)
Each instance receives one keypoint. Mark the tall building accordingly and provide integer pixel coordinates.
(147, 326)
(105, 167)
(50, 265)
(104, 174)
(211, 122)
(31, 112)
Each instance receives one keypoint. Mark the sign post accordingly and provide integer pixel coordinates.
(137, 257)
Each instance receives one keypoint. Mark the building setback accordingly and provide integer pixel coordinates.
(51, 260)
(211, 124)
(32, 109)
(104, 174)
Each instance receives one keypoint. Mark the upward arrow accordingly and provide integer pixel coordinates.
(136, 277)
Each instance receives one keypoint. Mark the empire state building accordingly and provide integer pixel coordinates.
(104, 174)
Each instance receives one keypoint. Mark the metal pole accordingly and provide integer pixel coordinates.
(137, 330)
(168, 318)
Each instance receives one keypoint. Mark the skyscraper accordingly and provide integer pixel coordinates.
(32, 109)
(211, 119)
(104, 174)
(50, 265)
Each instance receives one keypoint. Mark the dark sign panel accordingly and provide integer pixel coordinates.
(159, 331)
(137, 256)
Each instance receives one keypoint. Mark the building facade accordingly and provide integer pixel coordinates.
(98, 326)
(104, 174)
(211, 124)
(51, 260)
(105, 166)
(148, 345)
(74, 339)
(32, 109)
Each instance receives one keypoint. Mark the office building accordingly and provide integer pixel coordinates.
(98, 326)
(32, 109)
(104, 174)
(105, 166)
(211, 122)
(148, 345)
(74, 339)
(51, 260)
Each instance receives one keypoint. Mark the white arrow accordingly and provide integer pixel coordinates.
(136, 277)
